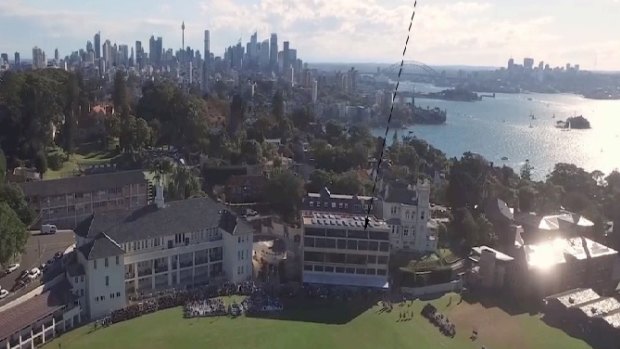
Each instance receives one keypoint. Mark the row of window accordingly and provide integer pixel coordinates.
(343, 258)
(353, 234)
(81, 279)
(409, 214)
(106, 262)
(334, 205)
(112, 295)
(212, 234)
(243, 254)
(344, 270)
(347, 244)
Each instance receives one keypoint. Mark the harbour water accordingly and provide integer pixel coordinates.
(500, 127)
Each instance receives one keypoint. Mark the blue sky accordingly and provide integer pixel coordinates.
(475, 32)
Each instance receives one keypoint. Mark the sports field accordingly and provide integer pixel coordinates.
(327, 325)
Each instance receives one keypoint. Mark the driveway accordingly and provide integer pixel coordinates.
(39, 249)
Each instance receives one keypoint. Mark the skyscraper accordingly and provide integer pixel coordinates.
(98, 45)
(183, 35)
(4, 58)
(273, 52)
(139, 55)
(285, 56)
(107, 53)
(18, 61)
(263, 55)
(38, 58)
(56, 55)
(123, 54)
(206, 66)
(528, 63)
(253, 48)
(155, 50)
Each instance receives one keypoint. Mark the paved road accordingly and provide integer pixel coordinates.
(39, 249)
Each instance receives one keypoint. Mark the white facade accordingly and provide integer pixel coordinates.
(238, 256)
(173, 260)
(408, 221)
(105, 287)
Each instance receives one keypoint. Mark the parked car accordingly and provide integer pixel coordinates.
(50, 261)
(58, 255)
(24, 275)
(34, 273)
(48, 229)
(12, 268)
(3, 293)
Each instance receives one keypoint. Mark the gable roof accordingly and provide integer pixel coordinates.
(81, 184)
(400, 192)
(102, 246)
(183, 216)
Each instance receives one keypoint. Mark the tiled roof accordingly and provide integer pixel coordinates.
(38, 307)
(183, 216)
(82, 184)
(100, 247)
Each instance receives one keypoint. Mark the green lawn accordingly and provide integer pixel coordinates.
(85, 155)
(302, 329)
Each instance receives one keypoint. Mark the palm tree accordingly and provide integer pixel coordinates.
(160, 167)
(183, 184)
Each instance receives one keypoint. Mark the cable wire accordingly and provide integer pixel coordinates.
(387, 127)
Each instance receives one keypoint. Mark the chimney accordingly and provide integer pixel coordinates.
(159, 195)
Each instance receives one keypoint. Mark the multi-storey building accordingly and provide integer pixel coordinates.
(67, 201)
(339, 249)
(407, 211)
(160, 246)
(328, 202)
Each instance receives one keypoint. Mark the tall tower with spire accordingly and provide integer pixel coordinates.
(183, 35)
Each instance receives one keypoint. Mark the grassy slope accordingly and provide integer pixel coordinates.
(167, 329)
(85, 155)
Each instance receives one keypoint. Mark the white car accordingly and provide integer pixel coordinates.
(34, 273)
(12, 268)
(3, 293)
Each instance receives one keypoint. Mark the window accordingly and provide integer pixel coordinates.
(333, 205)
(117, 260)
(405, 231)
(75, 279)
(339, 270)
(82, 278)
(382, 260)
(96, 299)
(311, 203)
(105, 262)
(95, 264)
(107, 281)
(422, 215)
(393, 210)
(239, 240)
(118, 294)
(340, 205)
(111, 295)
(381, 272)
(326, 204)
(318, 268)
(329, 269)
(307, 267)
(81, 292)
(102, 298)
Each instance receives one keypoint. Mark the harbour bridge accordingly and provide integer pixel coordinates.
(413, 70)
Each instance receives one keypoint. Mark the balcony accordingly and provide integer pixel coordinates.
(161, 268)
(185, 264)
(145, 272)
(130, 275)
(215, 258)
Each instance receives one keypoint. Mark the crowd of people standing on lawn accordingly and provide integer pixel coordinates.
(438, 319)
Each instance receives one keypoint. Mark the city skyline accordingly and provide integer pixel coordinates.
(444, 33)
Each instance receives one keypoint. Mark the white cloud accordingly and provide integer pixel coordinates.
(444, 32)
